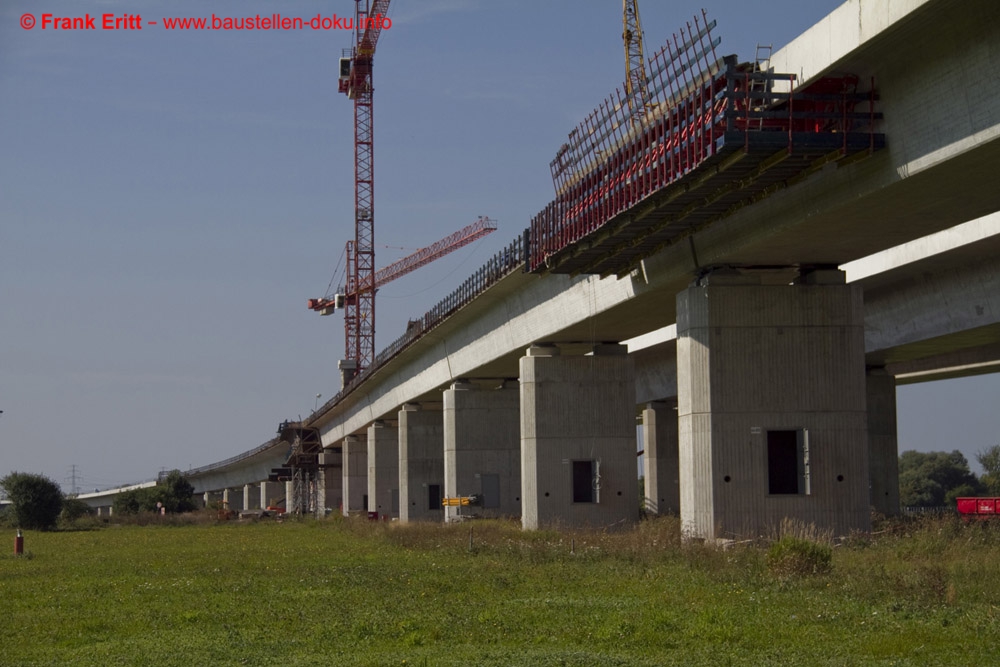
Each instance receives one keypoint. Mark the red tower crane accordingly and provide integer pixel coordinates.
(358, 297)
(450, 243)
(356, 82)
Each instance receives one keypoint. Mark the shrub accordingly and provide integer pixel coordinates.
(792, 556)
(73, 509)
(35, 500)
(172, 492)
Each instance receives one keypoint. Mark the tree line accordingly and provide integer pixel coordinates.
(37, 503)
(936, 479)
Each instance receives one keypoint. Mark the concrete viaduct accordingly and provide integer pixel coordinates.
(763, 374)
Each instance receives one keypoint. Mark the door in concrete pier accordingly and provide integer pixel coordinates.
(490, 485)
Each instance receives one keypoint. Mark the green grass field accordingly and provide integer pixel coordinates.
(339, 592)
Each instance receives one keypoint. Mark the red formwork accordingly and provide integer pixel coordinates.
(705, 116)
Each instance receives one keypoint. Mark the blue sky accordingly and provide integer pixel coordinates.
(170, 199)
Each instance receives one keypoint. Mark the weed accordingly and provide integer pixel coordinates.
(794, 556)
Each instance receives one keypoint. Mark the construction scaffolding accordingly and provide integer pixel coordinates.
(302, 468)
(717, 135)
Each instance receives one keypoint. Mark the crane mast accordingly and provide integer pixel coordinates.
(358, 297)
(635, 62)
(356, 82)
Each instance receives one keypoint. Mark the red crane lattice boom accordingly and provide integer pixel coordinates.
(425, 256)
(410, 263)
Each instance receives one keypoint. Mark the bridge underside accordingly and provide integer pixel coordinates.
(813, 207)
(747, 168)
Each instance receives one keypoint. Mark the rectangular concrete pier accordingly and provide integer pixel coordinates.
(660, 459)
(772, 409)
(421, 464)
(482, 452)
(355, 475)
(578, 447)
(383, 470)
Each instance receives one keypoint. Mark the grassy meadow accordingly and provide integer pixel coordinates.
(338, 592)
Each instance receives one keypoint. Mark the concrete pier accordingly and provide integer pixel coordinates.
(421, 464)
(271, 493)
(771, 409)
(578, 449)
(355, 475)
(660, 459)
(383, 470)
(233, 499)
(883, 448)
(291, 502)
(482, 450)
(331, 479)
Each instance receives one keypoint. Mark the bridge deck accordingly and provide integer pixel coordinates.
(732, 139)
(742, 171)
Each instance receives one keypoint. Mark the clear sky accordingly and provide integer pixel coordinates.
(170, 199)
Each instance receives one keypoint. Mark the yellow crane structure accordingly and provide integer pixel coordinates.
(636, 93)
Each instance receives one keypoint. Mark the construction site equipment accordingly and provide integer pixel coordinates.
(302, 468)
(410, 263)
(460, 501)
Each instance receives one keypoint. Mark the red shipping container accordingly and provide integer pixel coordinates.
(966, 505)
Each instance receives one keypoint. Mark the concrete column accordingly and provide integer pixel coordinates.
(771, 405)
(883, 448)
(578, 464)
(660, 461)
(482, 448)
(270, 494)
(421, 464)
(383, 470)
(332, 478)
(225, 498)
(234, 499)
(355, 475)
(207, 497)
(246, 497)
(290, 499)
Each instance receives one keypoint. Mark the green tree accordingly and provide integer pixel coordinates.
(127, 502)
(934, 479)
(989, 459)
(35, 500)
(73, 508)
(172, 492)
(180, 492)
